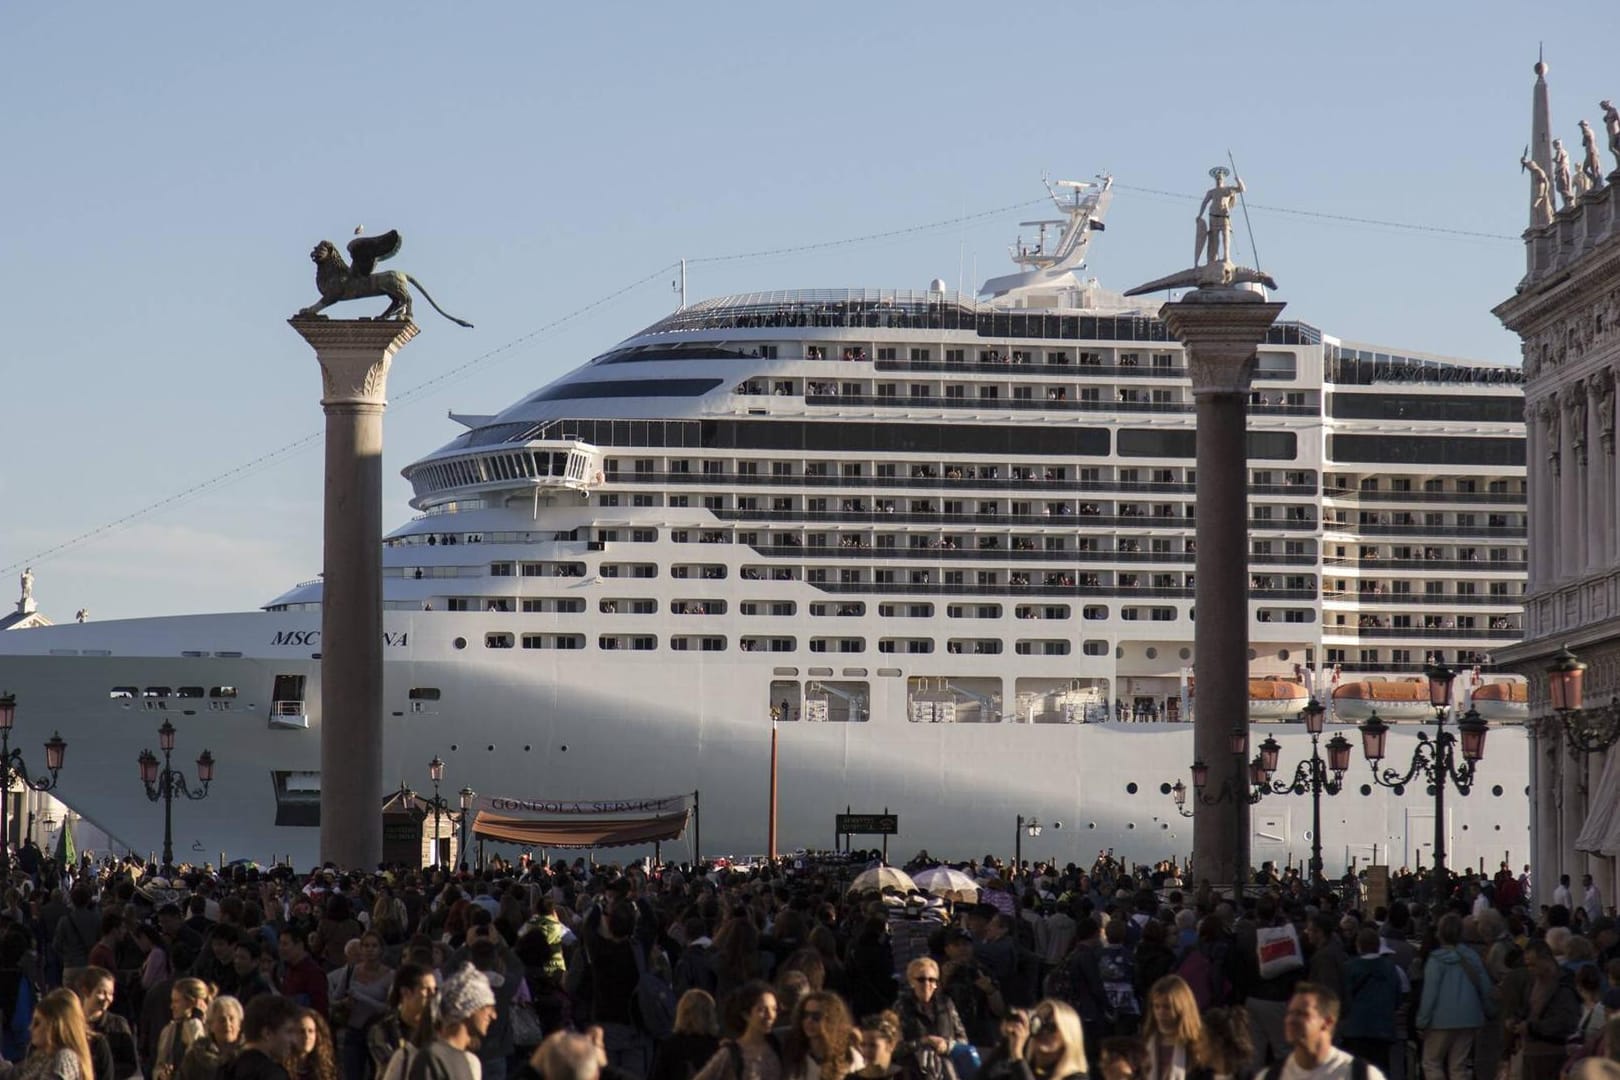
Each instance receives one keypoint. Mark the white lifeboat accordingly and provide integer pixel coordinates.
(1276, 699)
(1404, 699)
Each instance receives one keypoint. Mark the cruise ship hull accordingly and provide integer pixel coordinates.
(582, 726)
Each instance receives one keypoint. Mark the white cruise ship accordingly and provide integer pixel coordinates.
(947, 540)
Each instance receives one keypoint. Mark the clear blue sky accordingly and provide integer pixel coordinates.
(168, 168)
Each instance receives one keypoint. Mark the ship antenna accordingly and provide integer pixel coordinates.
(1245, 204)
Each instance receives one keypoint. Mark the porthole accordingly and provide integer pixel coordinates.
(1164, 825)
(1185, 654)
(563, 748)
(526, 748)
(1164, 789)
(1496, 790)
(1499, 828)
(1130, 788)
(1399, 790)
(1465, 828)
(460, 643)
(1366, 789)
(454, 748)
(1091, 824)
(1429, 791)
(1282, 654)
(1253, 655)
(1152, 653)
(1130, 825)
(490, 748)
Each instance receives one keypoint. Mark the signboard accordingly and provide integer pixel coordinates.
(878, 824)
(1377, 886)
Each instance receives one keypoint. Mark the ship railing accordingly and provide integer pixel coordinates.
(1491, 497)
(1478, 566)
(1035, 588)
(1058, 369)
(1424, 633)
(957, 481)
(1402, 599)
(1484, 531)
(289, 713)
(1038, 405)
(930, 517)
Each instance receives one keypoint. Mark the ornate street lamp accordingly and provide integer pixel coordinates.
(12, 767)
(1031, 826)
(436, 774)
(168, 782)
(467, 795)
(1587, 731)
(1312, 775)
(1238, 743)
(1446, 759)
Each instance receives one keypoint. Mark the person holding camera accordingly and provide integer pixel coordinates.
(1046, 1043)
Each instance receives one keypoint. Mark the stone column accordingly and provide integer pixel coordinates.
(1572, 559)
(1544, 854)
(354, 355)
(1220, 328)
(1572, 813)
(1535, 436)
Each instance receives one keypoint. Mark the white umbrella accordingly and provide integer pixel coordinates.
(943, 879)
(882, 877)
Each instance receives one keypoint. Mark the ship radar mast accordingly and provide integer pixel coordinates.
(1048, 264)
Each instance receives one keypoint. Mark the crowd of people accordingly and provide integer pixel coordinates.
(785, 971)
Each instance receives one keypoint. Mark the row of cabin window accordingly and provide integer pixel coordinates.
(914, 646)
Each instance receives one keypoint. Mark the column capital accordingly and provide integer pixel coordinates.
(354, 355)
(1221, 329)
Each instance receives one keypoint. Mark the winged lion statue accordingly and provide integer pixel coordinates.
(339, 280)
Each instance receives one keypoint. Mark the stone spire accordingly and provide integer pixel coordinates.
(1540, 131)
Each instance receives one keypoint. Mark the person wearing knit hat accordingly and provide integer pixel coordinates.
(462, 1013)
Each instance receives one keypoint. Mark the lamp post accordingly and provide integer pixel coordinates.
(1238, 743)
(467, 796)
(436, 772)
(169, 782)
(1436, 759)
(1587, 731)
(12, 765)
(1311, 775)
(1031, 826)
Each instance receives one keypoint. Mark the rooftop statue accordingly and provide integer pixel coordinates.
(1212, 249)
(1561, 175)
(1611, 124)
(1591, 164)
(1541, 204)
(338, 281)
(26, 581)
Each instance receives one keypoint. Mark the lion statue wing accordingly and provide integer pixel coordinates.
(365, 252)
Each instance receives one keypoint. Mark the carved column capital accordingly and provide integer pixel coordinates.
(1221, 329)
(354, 355)
(1603, 393)
(1548, 414)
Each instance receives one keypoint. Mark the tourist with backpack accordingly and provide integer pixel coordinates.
(1372, 995)
(1309, 1022)
(1205, 965)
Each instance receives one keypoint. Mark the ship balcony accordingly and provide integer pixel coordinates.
(1503, 498)
(1430, 633)
(1042, 404)
(945, 477)
(289, 714)
(1407, 599)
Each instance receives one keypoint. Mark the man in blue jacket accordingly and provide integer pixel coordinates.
(1456, 997)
